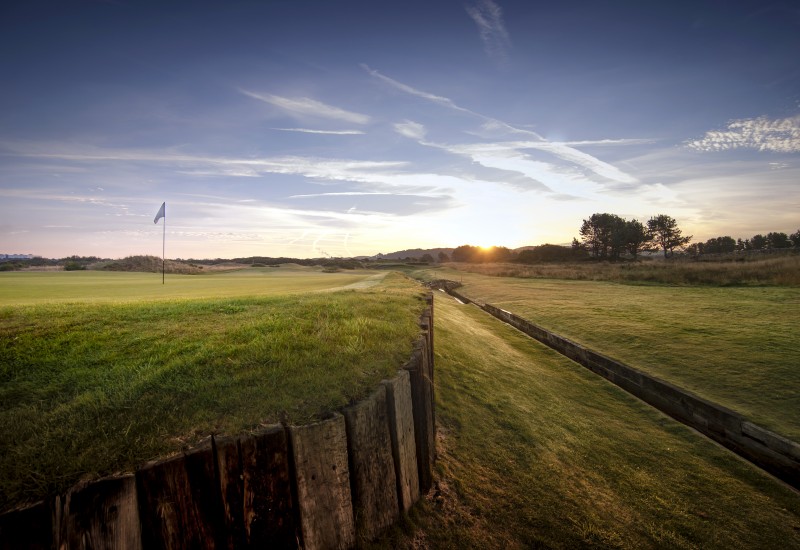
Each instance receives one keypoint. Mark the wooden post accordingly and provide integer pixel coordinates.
(404, 449)
(372, 474)
(29, 528)
(101, 514)
(421, 397)
(180, 505)
(231, 487)
(269, 511)
(319, 455)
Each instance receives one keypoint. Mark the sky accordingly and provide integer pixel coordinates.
(314, 128)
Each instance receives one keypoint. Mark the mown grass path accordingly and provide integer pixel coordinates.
(536, 451)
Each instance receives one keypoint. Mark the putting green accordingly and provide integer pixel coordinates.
(20, 288)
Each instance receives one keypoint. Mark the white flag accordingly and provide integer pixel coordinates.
(161, 212)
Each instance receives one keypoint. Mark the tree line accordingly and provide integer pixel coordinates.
(542, 253)
(609, 237)
(727, 244)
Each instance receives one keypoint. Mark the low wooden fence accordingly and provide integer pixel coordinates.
(330, 484)
(768, 450)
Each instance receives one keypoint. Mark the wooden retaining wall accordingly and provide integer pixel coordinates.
(768, 450)
(329, 484)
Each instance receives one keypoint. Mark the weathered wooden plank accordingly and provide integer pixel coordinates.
(319, 454)
(231, 486)
(427, 389)
(179, 502)
(268, 507)
(100, 514)
(423, 413)
(372, 474)
(429, 300)
(29, 528)
(404, 449)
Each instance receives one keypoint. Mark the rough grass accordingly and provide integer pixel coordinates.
(88, 389)
(768, 270)
(535, 451)
(736, 346)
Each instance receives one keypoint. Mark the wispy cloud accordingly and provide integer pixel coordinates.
(415, 92)
(489, 18)
(580, 158)
(494, 131)
(762, 134)
(410, 129)
(309, 107)
(328, 132)
(625, 141)
(360, 194)
(488, 124)
(312, 167)
(396, 178)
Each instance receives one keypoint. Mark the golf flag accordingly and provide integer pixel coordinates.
(161, 212)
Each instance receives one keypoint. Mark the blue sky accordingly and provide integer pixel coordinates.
(311, 128)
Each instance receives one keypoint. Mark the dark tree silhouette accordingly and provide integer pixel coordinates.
(778, 240)
(607, 236)
(665, 234)
(601, 235)
(635, 237)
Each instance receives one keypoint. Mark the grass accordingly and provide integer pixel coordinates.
(781, 270)
(736, 346)
(91, 388)
(535, 451)
(98, 286)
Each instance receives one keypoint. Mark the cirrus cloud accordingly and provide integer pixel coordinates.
(763, 134)
(305, 106)
(489, 18)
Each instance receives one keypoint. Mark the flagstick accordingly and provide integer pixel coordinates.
(163, 248)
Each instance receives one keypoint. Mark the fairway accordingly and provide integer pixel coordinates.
(536, 451)
(99, 286)
(736, 346)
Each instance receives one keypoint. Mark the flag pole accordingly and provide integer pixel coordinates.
(164, 247)
(162, 213)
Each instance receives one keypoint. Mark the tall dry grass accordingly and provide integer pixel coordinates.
(779, 271)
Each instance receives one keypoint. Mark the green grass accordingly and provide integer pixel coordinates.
(97, 286)
(90, 388)
(536, 451)
(736, 346)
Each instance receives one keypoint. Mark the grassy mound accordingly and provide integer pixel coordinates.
(88, 389)
(151, 264)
